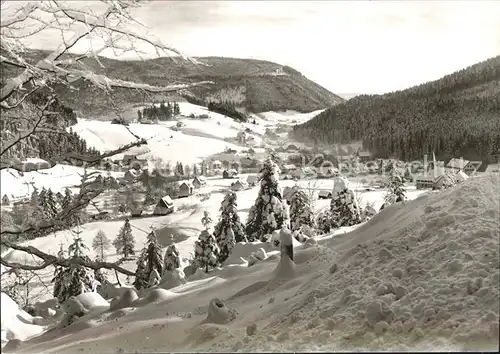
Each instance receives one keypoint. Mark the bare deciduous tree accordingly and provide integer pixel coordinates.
(110, 29)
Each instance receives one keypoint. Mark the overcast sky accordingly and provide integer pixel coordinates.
(347, 47)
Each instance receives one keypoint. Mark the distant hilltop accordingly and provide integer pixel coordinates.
(253, 85)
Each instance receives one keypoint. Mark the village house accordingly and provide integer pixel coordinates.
(164, 206)
(456, 165)
(289, 169)
(232, 173)
(185, 189)
(425, 181)
(364, 156)
(324, 194)
(238, 185)
(131, 175)
(136, 210)
(472, 167)
(199, 181)
(216, 165)
(127, 159)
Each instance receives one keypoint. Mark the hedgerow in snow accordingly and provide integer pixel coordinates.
(206, 251)
(301, 212)
(124, 241)
(152, 262)
(229, 229)
(269, 212)
(74, 280)
(171, 260)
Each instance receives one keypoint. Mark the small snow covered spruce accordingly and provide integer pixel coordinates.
(171, 260)
(229, 229)
(77, 279)
(150, 261)
(206, 221)
(300, 211)
(344, 208)
(206, 252)
(270, 211)
(124, 241)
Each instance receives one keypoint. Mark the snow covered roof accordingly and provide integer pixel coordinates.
(457, 163)
(289, 167)
(200, 178)
(166, 200)
(186, 183)
(365, 153)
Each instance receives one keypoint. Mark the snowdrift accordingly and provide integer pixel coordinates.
(16, 323)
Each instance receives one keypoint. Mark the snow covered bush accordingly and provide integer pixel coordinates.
(325, 222)
(301, 212)
(171, 260)
(124, 241)
(149, 262)
(206, 252)
(269, 212)
(74, 280)
(229, 229)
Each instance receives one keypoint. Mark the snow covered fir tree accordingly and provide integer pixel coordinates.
(149, 264)
(124, 241)
(270, 211)
(206, 251)
(77, 279)
(396, 192)
(229, 229)
(344, 207)
(172, 259)
(301, 212)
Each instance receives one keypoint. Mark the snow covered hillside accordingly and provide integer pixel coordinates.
(172, 143)
(422, 275)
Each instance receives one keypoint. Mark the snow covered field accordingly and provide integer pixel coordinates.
(418, 276)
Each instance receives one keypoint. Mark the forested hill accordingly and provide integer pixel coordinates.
(254, 85)
(457, 115)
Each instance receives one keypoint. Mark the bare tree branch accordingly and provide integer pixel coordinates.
(49, 259)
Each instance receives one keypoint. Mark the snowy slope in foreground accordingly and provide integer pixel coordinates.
(418, 276)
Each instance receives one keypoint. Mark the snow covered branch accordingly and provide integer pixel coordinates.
(49, 260)
(21, 136)
(115, 20)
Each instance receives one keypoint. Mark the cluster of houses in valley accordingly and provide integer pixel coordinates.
(438, 172)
